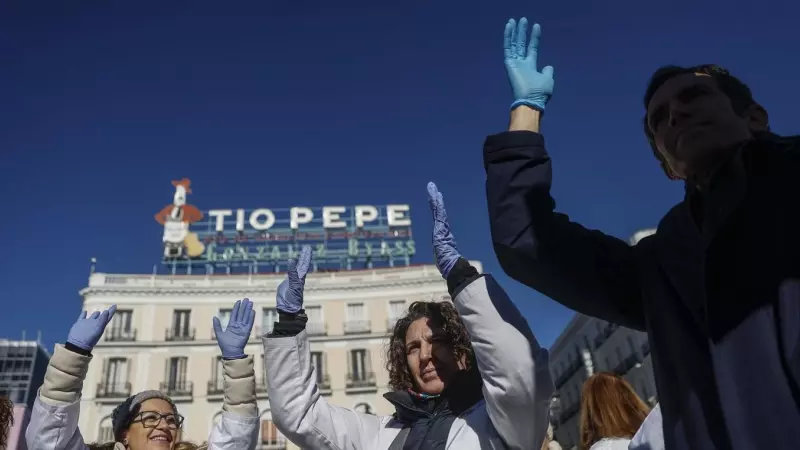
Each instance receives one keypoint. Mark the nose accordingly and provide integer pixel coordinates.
(425, 353)
(678, 112)
(162, 425)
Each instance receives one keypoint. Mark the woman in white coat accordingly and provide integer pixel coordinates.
(466, 374)
(148, 420)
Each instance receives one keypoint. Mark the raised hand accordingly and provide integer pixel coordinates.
(233, 340)
(290, 292)
(86, 331)
(531, 87)
(444, 244)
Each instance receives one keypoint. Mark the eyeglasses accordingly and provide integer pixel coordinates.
(151, 419)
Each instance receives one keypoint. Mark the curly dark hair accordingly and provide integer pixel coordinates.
(6, 420)
(442, 315)
(740, 95)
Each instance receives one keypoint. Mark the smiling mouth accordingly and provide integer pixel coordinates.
(160, 439)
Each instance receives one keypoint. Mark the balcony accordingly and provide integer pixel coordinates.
(569, 412)
(390, 323)
(261, 387)
(571, 370)
(605, 334)
(173, 335)
(357, 326)
(113, 391)
(117, 335)
(316, 328)
(215, 388)
(177, 390)
(361, 382)
(276, 443)
(324, 384)
(627, 364)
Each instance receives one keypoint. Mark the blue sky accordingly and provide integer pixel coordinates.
(279, 104)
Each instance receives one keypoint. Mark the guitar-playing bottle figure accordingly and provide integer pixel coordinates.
(176, 219)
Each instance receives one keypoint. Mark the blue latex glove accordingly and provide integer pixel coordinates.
(444, 244)
(531, 87)
(290, 291)
(237, 333)
(86, 331)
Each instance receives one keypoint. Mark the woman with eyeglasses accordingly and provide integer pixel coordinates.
(148, 420)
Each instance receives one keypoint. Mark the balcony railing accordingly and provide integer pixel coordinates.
(361, 380)
(324, 383)
(390, 322)
(261, 386)
(316, 328)
(215, 387)
(117, 335)
(569, 412)
(276, 443)
(357, 326)
(177, 389)
(605, 334)
(571, 370)
(626, 364)
(179, 335)
(113, 390)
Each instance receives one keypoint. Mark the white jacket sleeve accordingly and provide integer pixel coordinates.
(651, 434)
(55, 413)
(517, 384)
(299, 411)
(238, 427)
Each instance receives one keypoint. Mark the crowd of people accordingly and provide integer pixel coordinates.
(713, 288)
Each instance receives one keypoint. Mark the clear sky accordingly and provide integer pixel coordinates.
(279, 104)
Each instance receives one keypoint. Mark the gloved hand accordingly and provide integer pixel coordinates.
(444, 244)
(86, 331)
(237, 333)
(531, 87)
(290, 291)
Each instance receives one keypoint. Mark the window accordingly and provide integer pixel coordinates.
(218, 374)
(180, 322)
(116, 375)
(359, 364)
(397, 308)
(106, 432)
(318, 361)
(268, 318)
(269, 433)
(316, 324)
(121, 324)
(314, 313)
(364, 408)
(356, 311)
(176, 373)
(224, 317)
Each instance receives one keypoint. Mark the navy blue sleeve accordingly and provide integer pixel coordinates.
(584, 270)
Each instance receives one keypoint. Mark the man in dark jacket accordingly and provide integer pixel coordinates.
(715, 288)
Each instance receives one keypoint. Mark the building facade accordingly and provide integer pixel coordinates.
(162, 338)
(22, 368)
(589, 345)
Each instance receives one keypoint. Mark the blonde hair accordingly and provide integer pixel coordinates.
(184, 445)
(610, 408)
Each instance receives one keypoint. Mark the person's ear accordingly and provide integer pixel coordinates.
(757, 118)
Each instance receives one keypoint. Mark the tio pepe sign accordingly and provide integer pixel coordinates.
(333, 217)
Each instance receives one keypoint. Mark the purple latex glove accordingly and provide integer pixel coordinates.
(233, 340)
(444, 244)
(86, 331)
(290, 291)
